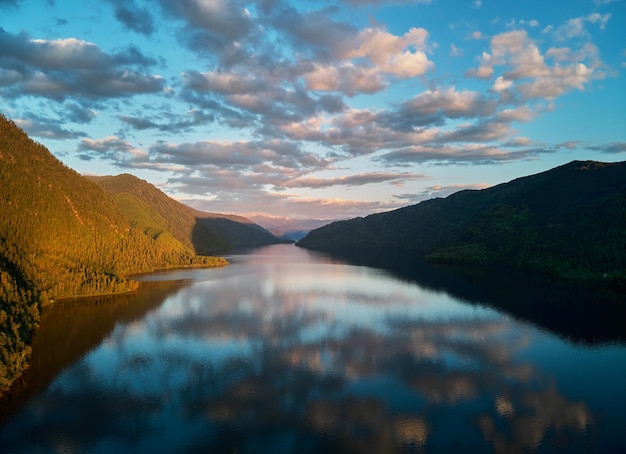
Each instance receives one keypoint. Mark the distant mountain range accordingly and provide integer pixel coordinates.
(288, 228)
(63, 235)
(568, 222)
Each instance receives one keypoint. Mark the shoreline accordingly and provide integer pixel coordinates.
(5, 394)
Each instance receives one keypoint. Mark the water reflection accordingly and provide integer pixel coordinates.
(579, 312)
(71, 328)
(287, 351)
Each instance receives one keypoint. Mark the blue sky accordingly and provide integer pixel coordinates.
(320, 109)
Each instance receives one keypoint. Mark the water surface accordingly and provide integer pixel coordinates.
(291, 351)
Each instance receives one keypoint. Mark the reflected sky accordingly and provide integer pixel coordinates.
(291, 351)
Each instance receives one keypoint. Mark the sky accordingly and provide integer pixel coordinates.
(323, 109)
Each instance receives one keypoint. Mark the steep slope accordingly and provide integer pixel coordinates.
(569, 221)
(240, 231)
(159, 216)
(61, 235)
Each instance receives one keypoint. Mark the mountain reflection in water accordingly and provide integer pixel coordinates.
(291, 351)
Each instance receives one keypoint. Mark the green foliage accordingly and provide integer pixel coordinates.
(154, 213)
(62, 236)
(568, 222)
(19, 315)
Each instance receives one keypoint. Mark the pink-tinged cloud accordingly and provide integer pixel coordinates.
(528, 73)
(403, 56)
(355, 180)
(362, 64)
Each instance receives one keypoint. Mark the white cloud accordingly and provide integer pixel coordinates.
(403, 56)
(346, 77)
(361, 65)
(526, 70)
(501, 84)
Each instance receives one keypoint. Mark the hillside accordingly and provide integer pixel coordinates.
(569, 222)
(61, 235)
(157, 215)
(238, 230)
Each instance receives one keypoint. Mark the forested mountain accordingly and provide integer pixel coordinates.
(61, 235)
(569, 221)
(159, 216)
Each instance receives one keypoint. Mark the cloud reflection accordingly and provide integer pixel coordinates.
(351, 360)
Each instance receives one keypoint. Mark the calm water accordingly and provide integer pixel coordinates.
(290, 351)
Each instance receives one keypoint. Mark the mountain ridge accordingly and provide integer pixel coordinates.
(154, 212)
(569, 221)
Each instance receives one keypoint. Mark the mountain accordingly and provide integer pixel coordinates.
(156, 214)
(569, 222)
(62, 235)
(288, 228)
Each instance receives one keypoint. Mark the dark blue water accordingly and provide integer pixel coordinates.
(289, 351)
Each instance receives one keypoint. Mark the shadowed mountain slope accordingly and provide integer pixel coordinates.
(569, 221)
(156, 214)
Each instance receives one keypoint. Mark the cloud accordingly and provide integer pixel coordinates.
(363, 60)
(455, 51)
(467, 153)
(138, 123)
(448, 103)
(133, 17)
(347, 78)
(214, 29)
(522, 114)
(168, 122)
(218, 165)
(610, 148)
(313, 34)
(354, 180)
(290, 205)
(71, 68)
(234, 155)
(47, 128)
(248, 100)
(501, 84)
(530, 75)
(575, 28)
(484, 70)
(224, 18)
(402, 56)
(570, 145)
(439, 191)
(426, 124)
(112, 148)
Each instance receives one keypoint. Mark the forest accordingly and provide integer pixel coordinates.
(62, 235)
(568, 222)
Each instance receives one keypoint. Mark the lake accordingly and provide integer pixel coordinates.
(288, 351)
